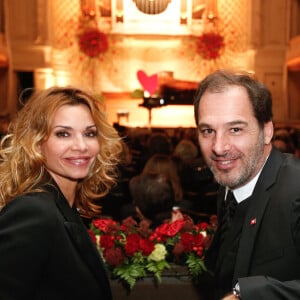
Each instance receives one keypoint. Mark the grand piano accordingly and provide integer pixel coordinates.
(172, 92)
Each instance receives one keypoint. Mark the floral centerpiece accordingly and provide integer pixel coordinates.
(133, 250)
(92, 42)
(210, 45)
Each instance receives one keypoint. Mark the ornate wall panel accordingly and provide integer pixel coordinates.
(44, 37)
(115, 69)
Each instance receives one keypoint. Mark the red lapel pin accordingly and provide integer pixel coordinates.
(253, 221)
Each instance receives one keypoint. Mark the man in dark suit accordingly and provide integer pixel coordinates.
(255, 253)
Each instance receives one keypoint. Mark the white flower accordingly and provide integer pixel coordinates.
(159, 253)
(97, 236)
(204, 233)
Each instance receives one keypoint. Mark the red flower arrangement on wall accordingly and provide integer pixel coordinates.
(133, 250)
(92, 42)
(210, 45)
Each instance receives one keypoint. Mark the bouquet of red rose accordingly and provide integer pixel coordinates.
(210, 45)
(133, 250)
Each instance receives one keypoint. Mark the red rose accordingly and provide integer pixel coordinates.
(114, 256)
(132, 244)
(187, 241)
(146, 246)
(210, 45)
(92, 42)
(199, 251)
(128, 225)
(104, 224)
(202, 226)
(198, 240)
(170, 229)
(178, 249)
(106, 241)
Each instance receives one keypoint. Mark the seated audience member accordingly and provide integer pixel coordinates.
(136, 141)
(164, 165)
(186, 150)
(283, 140)
(157, 143)
(119, 195)
(199, 186)
(186, 156)
(281, 145)
(152, 198)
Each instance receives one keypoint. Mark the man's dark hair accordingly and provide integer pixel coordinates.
(259, 95)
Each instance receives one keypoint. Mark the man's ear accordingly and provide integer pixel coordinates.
(268, 132)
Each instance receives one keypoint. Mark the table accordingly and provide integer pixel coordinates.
(175, 285)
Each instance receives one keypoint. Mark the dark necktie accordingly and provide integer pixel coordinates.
(228, 213)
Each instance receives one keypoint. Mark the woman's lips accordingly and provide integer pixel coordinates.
(78, 161)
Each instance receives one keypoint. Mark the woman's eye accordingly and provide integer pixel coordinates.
(62, 134)
(92, 133)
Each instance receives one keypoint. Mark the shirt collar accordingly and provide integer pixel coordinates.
(246, 190)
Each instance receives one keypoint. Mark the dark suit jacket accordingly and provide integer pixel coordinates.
(46, 252)
(267, 264)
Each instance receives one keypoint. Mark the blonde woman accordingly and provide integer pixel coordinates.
(59, 157)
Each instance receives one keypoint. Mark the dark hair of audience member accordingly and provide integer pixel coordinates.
(166, 166)
(153, 197)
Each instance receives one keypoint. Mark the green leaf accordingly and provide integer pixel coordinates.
(138, 258)
(130, 273)
(195, 264)
(157, 267)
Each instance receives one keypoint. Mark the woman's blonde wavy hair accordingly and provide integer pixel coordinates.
(22, 166)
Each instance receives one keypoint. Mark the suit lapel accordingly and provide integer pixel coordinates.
(88, 251)
(212, 253)
(251, 225)
(232, 236)
(257, 205)
(80, 237)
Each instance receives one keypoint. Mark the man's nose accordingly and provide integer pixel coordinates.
(221, 143)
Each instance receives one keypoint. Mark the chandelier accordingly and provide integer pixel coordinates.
(152, 7)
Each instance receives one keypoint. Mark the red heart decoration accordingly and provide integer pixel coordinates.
(149, 83)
